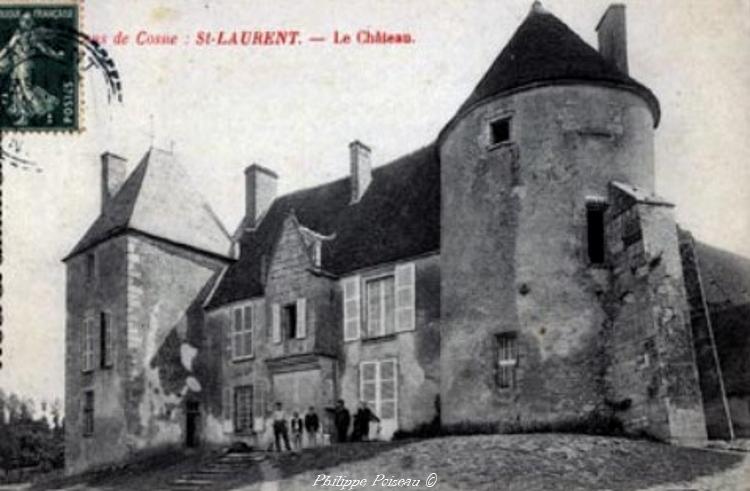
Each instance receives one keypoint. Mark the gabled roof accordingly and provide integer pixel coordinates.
(398, 217)
(159, 200)
(544, 50)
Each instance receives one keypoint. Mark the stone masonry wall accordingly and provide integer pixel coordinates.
(652, 375)
(167, 364)
(104, 292)
(513, 249)
(417, 352)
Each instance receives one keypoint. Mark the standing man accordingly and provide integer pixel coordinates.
(362, 422)
(312, 425)
(341, 420)
(296, 431)
(280, 429)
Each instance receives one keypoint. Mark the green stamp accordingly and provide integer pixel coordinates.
(39, 67)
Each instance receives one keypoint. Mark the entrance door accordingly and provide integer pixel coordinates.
(378, 387)
(192, 423)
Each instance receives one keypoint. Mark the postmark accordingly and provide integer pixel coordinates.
(39, 76)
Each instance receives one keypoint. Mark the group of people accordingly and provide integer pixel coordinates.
(310, 425)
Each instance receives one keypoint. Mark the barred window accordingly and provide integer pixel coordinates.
(88, 413)
(507, 360)
(243, 409)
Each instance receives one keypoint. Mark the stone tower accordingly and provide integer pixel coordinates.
(529, 166)
(136, 373)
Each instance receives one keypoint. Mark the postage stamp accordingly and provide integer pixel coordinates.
(39, 89)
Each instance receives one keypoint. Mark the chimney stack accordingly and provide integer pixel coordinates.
(260, 191)
(114, 173)
(613, 44)
(361, 169)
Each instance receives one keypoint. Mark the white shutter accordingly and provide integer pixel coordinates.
(301, 318)
(405, 297)
(275, 323)
(351, 305)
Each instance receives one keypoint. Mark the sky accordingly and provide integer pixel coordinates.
(295, 109)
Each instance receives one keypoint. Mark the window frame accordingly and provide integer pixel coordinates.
(87, 427)
(289, 325)
(376, 404)
(106, 340)
(88, 343)
(491, 124)
(382, 277)
(249, 416)
(92, 266)
(239, 336)
(506, 368)
(596, 256)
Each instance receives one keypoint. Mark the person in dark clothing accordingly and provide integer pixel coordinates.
(341, 419)
(297, 427)
(312, 425)
(362, 419)
(280, 430)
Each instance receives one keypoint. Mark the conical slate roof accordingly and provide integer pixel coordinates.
(159, 200)
(544, 50)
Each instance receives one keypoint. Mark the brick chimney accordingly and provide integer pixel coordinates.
(613, 44)
(260, 191)
(114, 173)
(361, 169)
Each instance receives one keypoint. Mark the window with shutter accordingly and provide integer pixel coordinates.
(301, 318)
(405, 297)
(87, 345)
(242, 332)
(350, 287)
(381, 312)
(276, 323)
(105, 340)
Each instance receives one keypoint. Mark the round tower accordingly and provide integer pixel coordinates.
(525, 168)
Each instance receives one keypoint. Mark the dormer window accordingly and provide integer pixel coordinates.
(500, 131)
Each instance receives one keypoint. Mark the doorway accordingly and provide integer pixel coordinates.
(192, 423)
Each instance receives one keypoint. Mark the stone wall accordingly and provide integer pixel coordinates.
(167, 364)
(153, 291)
(104, 292)
(652, 375)
(513, 249)
(417, 352)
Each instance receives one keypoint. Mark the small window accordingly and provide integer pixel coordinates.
(106, 340)
(88, 413)
(500, 131)
(242, 332)
(595, 231)
(289, 320)
(506, 356)
(90, 266)
(243, 409)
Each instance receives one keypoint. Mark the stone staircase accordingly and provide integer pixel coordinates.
(220, 470)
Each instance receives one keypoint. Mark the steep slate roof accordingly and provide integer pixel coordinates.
(158, 199)
(398, 217)
(545, 50)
